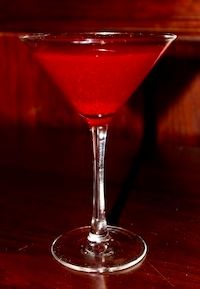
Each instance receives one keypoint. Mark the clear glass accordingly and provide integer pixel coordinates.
(98, 247)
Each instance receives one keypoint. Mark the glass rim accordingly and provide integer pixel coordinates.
(98, 36)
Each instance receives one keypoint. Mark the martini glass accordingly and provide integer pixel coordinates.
(97, 72)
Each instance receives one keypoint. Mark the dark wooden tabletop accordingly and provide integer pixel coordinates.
(158, 198)
(153, 187)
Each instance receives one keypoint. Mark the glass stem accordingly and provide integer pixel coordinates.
(98, 237)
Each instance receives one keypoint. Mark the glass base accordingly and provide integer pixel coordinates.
(125, 250)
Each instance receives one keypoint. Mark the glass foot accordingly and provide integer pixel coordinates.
(126, 250)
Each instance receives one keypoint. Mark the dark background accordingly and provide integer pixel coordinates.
(153, 153)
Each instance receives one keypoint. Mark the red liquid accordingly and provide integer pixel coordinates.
(98, 80)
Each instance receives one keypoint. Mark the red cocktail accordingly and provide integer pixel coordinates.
(97, 72)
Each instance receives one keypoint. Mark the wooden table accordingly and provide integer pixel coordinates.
(45, 186)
